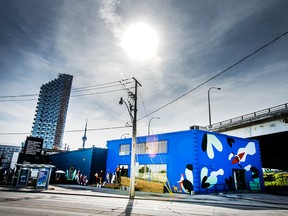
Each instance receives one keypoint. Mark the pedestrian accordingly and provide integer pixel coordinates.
(108, 176)
(85, 181)
(113, 178)
(118, 174)
(81, 179)
(96, 179)
(100, 177)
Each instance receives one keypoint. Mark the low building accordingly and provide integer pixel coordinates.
(86, 161)
(6, 155)
(192, 161)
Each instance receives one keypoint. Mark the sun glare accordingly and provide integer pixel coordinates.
(140, 41)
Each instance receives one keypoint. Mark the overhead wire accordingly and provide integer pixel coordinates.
(19, 100)
(13, 96)
(144, 107)
(93, 86)
(71, 131)
(193, 89)
(94, 93)
(122, 82)
(97, 129)
(217, 75)
(10, 98)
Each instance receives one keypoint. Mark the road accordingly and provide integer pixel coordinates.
(37, 203)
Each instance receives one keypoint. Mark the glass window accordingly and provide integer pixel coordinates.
(124, 149)
(141, 148)
(151, 147)
(162, 147)
(152, 172)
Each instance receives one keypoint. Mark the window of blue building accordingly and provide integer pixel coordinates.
(152, 172)
(156, 147)
(124, 149)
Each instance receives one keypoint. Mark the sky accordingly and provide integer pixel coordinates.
(196, 41)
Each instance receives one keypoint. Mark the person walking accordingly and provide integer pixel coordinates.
(96, 179)
(108, 176)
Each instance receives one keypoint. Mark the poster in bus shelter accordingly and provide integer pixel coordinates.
(42, 179)
(23, 178)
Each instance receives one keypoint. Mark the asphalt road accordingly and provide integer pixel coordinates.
(75, 202)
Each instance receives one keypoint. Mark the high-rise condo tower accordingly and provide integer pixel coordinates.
(51, 111)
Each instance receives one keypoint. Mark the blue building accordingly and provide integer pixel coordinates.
(87, 161)
(192, 160)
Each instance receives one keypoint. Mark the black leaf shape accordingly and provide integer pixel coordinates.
(204, 142)
(255, 172)
(205, 184)
(230, 141)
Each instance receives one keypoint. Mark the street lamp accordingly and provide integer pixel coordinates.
(150, 122)
(124, 135)
(210, 125)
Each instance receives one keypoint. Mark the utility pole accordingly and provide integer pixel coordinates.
(134, 141)
(132, 107)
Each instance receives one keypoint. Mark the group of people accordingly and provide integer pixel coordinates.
(114, 177)
(99, 179)
(81, 179)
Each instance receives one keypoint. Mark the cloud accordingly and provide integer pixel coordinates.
(107, 12)
(197, 41)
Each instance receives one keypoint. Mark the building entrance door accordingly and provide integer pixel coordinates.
(239, 179)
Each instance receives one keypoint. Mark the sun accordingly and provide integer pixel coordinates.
(140, 41)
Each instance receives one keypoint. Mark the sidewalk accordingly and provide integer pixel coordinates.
(248, 199)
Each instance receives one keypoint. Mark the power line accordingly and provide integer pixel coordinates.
(97, 129)
(96, 93)
(12, 133)
(19, 100)
(73, 131)
(93, 86)
(13, 96)
(103, 84)
(220, 73)
(143, 104)
(80, 89)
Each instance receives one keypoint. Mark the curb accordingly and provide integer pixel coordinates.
(195, 200)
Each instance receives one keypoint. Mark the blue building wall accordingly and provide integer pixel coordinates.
(98, 163)
(200, 161)
(88, 161)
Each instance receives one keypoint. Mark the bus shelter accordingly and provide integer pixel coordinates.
(35, 175)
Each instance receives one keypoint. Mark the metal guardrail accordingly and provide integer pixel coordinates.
(251, 116)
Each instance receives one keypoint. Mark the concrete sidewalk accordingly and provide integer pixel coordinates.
(255, 199)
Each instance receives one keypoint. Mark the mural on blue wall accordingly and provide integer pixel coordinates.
(255, 183)
(209, 142)
(242, 153)
(229, 183)
(187, 184)
(209, 180)
(210, 145)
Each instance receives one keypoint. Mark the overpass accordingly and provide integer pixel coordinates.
(269, 126)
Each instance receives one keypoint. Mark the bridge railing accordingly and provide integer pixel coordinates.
(251, 116)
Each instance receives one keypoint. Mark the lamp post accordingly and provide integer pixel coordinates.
(150, 122)
(210, 125)
(124, 135)
(132, 107)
